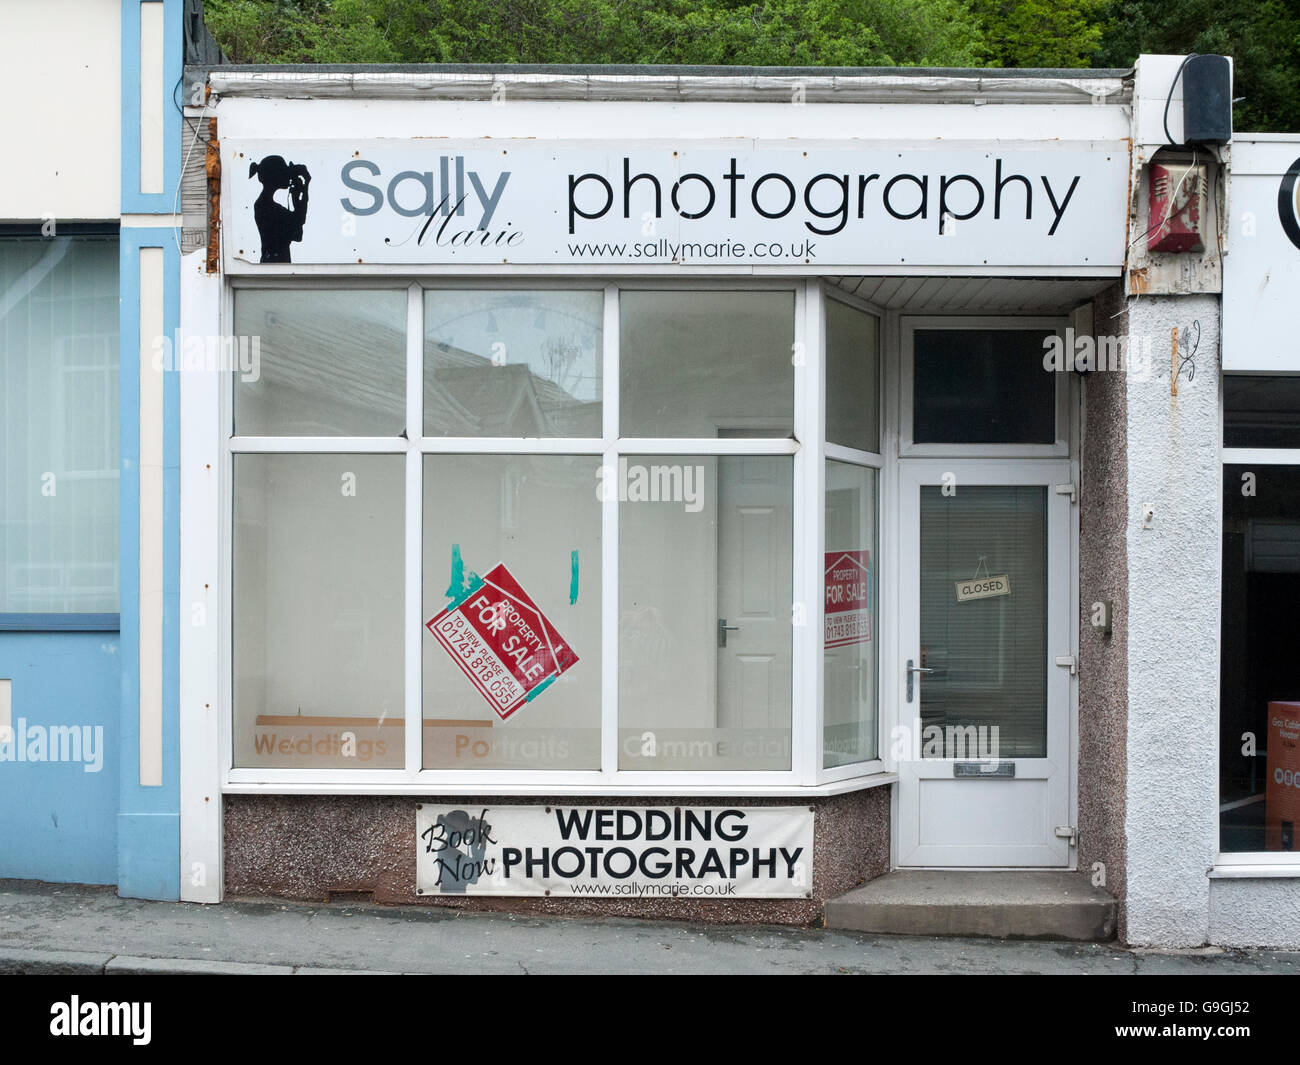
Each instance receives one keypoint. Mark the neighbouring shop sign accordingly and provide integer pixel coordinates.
(696, 852)
(1261, 267)
(432, 202)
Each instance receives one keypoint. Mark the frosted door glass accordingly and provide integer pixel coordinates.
(988, 652)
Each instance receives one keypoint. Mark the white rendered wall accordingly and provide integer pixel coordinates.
(1174, 465)
(60, 75)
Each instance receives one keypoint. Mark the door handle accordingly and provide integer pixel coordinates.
(912, 670)
(723, 629)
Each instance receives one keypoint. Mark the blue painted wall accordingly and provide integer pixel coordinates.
(58, 822)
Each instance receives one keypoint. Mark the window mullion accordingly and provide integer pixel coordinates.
(414, 627)
(609, 546)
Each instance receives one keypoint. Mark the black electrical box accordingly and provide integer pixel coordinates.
(1207, 100)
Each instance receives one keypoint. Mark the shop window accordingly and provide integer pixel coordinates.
(705, 621)
(697, 364)
(546, 584)
(512, 363)
(59, 425)
(539, 515)
(850, 684)
(1261, 412)
(317, 623)
(852, 377)
(982, 386)
(329, 363)
(1259, 697)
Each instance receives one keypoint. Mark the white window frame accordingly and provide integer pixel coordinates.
(807, 449)
(1247, 864)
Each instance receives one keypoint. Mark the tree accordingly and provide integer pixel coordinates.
(1040, 33)
(763, 32)
(1262, 36)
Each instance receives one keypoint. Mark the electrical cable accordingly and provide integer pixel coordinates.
(1170, 98)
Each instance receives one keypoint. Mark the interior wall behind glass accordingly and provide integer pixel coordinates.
(852, 377)
(59, 425)
(318, 609)
(705, 634)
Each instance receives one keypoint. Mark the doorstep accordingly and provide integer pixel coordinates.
(1021, 904)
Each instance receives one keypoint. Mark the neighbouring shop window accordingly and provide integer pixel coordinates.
(1259, 695)
(59, 427)
(513, 363)
(982, 386)
(1261, 411)
(330, 362)
(318, 606)
(850, 683)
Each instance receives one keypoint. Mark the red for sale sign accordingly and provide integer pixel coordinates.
(848, 597)
(502, 642)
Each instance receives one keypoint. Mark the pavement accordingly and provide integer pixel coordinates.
(54, 928)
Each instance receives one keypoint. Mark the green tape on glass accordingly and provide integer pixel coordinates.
(573, 577)
(540, 688)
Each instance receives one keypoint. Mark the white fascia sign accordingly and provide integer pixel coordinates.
(1261, 270)
(756, 204)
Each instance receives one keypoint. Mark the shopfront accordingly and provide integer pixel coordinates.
(675, 445)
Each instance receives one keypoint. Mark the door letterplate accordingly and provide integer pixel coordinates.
(984, 770)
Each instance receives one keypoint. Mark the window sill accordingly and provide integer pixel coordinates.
(543, 790)
(60, 622)
(1290, 870)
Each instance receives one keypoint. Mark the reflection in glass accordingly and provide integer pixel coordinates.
(982, 386)
(328, 362)
(512, 363)
(317, 611)
(705, 634)
(852, 377)
(704, 364)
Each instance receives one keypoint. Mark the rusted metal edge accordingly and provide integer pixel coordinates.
(212, 167)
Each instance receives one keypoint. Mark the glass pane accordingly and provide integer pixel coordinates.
(706, 364)
(852, 377)
(489, 702)
(849, 695)
(1259, 696)
(324, 362)
(705, 635)
(59, 426)
(317, 617)
(984, 621)
(1261, 411)
(512, 363)
(982, 386)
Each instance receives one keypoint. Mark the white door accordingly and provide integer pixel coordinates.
(754, 581)
(984, 753)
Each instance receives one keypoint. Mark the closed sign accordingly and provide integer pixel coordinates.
(983, 587)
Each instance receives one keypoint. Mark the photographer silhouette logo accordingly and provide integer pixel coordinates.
(278, 225)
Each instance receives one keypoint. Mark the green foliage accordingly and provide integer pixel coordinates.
(1262, 36)
(764, 33)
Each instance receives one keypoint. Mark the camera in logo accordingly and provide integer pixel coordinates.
(1286, 777)
(1288, 203)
